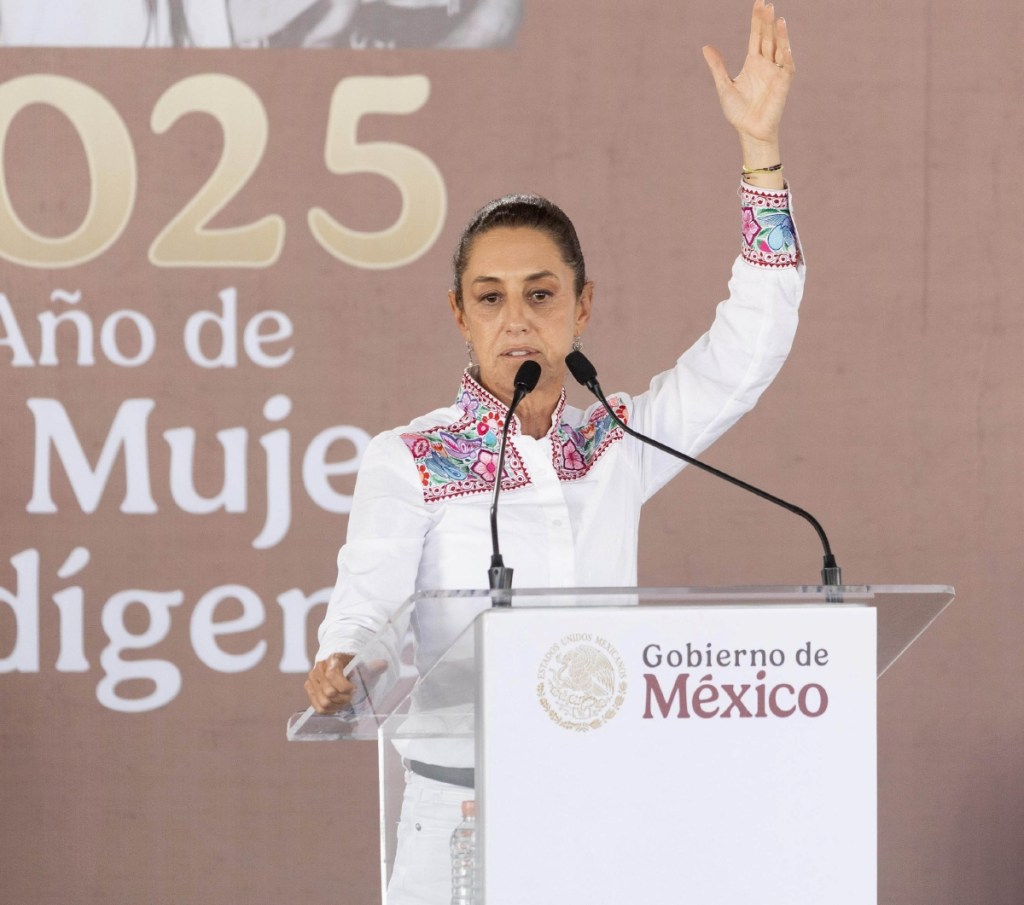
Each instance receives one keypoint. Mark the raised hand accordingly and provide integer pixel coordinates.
(753, 101)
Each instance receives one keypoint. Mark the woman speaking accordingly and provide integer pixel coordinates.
(573, 483)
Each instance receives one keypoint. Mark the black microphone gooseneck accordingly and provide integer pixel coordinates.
(499, 575)
(586, 374)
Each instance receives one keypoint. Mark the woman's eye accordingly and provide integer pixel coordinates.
(540, 295)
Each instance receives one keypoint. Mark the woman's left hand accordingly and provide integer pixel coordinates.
(753, 101)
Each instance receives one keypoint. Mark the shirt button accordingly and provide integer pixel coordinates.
(557, 523)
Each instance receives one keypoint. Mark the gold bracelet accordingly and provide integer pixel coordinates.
(761, 171)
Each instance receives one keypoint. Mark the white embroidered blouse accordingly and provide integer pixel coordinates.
(570, 502)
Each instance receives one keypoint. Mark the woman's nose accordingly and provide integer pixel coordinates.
(515, 316)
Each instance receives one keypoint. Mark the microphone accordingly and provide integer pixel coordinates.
(526, 378)
(499, 575)
(586, 374)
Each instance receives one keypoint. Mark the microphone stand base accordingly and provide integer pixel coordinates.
(500, 579)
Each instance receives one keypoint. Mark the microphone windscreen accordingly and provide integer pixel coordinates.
(527, 376)
(581, 368)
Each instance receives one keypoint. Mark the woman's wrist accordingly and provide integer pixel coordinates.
(768, 178)
(762, 163)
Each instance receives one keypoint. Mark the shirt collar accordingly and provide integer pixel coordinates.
(476, 402)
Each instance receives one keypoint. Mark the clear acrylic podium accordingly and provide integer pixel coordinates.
(637, 744)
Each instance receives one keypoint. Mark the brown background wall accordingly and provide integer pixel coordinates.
(898, 419)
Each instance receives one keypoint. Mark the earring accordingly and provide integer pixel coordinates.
(577, 344)
(469, 352)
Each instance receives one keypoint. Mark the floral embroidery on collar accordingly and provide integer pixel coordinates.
(462, 458)
(575, 450)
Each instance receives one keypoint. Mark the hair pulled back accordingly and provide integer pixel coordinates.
(527, 212)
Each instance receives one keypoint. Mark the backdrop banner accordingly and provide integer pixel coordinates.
(225, 240)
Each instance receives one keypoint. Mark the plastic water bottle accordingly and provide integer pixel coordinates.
(463, 847)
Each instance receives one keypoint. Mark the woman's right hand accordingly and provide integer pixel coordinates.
(328, 689)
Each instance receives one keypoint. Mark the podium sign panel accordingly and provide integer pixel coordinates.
(714, 755)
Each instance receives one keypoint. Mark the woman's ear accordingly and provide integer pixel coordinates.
(459, 314)
(583, 306)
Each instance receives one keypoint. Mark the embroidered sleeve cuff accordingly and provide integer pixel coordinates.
(769, 237)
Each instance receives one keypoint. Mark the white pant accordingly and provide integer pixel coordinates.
(422, 872)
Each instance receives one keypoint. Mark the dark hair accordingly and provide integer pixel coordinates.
(528, 212)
